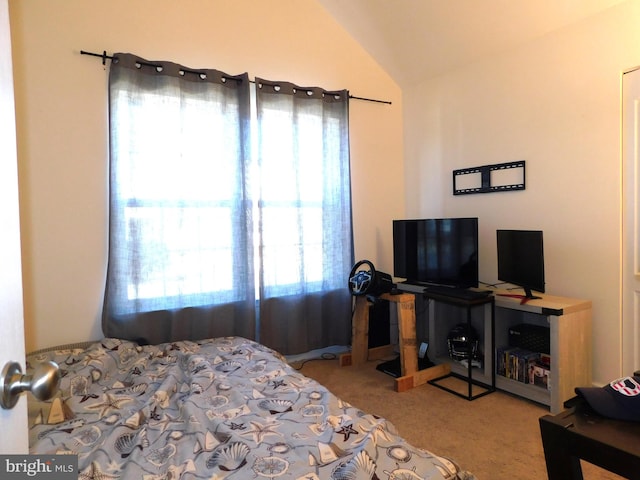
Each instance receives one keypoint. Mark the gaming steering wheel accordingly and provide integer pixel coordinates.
(361, 280)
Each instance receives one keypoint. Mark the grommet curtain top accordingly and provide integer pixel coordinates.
(287, 88)
(223, 78)
(128, 60)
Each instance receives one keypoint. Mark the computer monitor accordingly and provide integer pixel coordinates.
(521, 260)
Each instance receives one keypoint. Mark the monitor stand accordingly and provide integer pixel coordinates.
(528, 295)
(392, 367)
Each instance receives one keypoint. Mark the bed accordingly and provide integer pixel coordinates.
(212, 409)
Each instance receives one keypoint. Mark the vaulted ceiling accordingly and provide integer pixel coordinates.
(417, 39)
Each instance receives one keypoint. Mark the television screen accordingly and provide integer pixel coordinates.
(521, 259)
(436, 251)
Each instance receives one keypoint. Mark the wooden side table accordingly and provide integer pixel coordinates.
(569, 320)
(360, 352)
(579, 433)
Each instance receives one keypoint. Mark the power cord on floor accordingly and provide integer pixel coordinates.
(301, 363)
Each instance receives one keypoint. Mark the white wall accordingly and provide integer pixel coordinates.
(61, 102)
(555, 103)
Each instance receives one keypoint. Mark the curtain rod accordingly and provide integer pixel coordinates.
(106, 57)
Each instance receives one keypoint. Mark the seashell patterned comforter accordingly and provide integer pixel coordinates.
(212, 409)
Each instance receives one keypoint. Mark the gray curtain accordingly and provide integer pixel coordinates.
(195, 214)
(304, 209)
(181, 263)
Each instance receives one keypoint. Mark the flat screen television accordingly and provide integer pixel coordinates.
(521, 259)
(439, 251)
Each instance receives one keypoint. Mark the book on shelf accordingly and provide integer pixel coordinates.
(523, 365)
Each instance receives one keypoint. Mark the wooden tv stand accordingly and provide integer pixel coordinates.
(360, 352)
(568, 319)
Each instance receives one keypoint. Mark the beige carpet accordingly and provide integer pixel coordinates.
(496, 436)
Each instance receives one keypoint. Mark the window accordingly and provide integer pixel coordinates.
(291, 203)
(177, 201)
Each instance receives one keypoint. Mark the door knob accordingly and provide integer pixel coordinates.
(43, 384)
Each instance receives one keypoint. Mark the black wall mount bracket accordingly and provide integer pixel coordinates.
(499, 177)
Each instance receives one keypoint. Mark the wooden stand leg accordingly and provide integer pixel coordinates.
(407, 329)
(359, 335)
(360, 352)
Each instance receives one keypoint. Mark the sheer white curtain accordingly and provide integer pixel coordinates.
(305, 232)
(180, 243)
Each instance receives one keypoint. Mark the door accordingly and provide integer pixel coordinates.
(13, 423)
(631, 222)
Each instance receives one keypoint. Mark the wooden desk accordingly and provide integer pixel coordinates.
(360, 351)
(579, 433)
